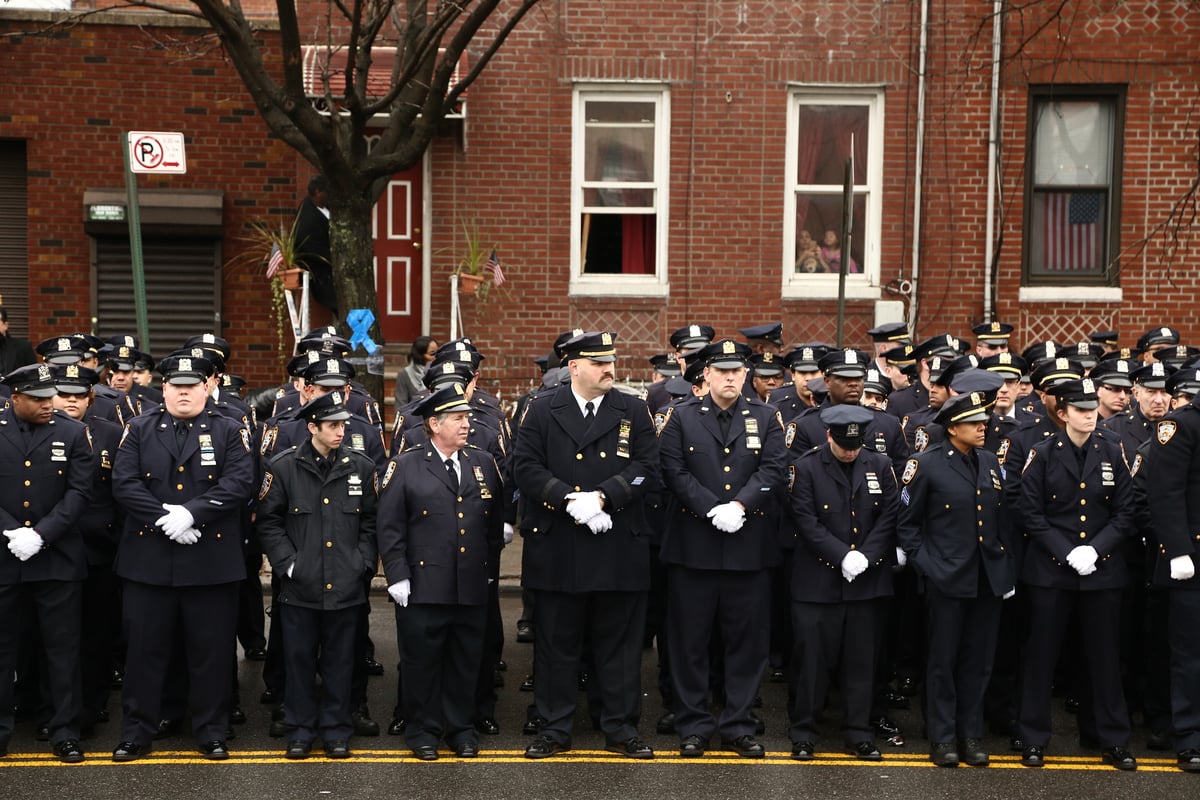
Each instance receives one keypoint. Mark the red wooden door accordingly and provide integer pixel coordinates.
(399, 266)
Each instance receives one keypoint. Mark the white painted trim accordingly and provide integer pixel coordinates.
(1070, 294)
(827, 289)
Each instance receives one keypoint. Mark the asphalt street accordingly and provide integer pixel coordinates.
(383, 767)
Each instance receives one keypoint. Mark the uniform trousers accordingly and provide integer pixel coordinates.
(318, 642)
(961, 635)
(57, 608)
(101, 629)
(825, 637)
(1156, 701)
(206, 618)
(611, 623)
(1097, 613)
(736, 606)
(252, 626)
(441, 647)
(1185, 668)
(493, 650)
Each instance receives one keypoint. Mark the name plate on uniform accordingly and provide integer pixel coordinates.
(624, 431)
(208, 454)
(484, 491)
(752, 440)
(354, 486)
(58, 451)
(1106, 474)
(873, 486)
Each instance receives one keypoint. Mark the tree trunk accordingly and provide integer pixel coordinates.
(353, 253)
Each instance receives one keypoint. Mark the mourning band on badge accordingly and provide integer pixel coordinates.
(624, 431)
(753, 442)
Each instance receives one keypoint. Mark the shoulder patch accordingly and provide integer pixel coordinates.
(268, 478)
(249, 448)
(88, 433)
(1165, 430)
(387, 475)
(1136, 465)
(1029, 460)
(1002, 450)
(779, 419)
(124, 436)
(661, 420)
(910, 471)
(920, 439)
(268, 441)
(789, 434)
(791, 477)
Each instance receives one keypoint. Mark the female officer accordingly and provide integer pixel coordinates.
(1077, 505)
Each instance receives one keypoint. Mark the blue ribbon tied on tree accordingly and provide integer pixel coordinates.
(360, 321)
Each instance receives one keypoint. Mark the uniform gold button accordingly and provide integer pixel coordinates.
(726, 450)
(981, 523)
(462, 549)
(462, 531)
(603, 454)
(28, 523)
(979, 508)
(727, 468)
(579, 456)
(329, 544)
(424, 512)
(852, 547)
(181, 469)
(981, 538)
(1083, 534)
(1083, 486)
(947, 506)
(329, 586)
(728, 487)
(420, 563)
(26, 483)
(179, 487)
(1082, 502)
(535, 530)
(25, 504)
(691, 449)
(460, 515)
(460, 499)
(856, 530)
(325, 500)
(1083, 517)
(218, 536)
(825, 507)
(29, 463)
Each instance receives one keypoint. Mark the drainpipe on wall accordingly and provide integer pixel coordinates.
(919, 167)
(989, 256)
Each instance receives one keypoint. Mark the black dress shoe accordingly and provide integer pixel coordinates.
(1033, 756)
(214, 750)
(68, 751)
(633, 747)
(777, 676)
(943, 754)
(117, 680)
(372, 666)
(746, 747)
(426, 752)
(583, 681)
(885, 727)
(760, 725)
(865, 751)
(277, 729)
(487, 725)
(502, 666)
(43, 733)
(237, 716)
(467, 750)
(256, 654)
(666, 723)
(363, 724)
(1189, 760)
(524, 632)
(1118, 757)
(972, 753)
(533, 725)
(338, 748)
(298, 749)
(544, 747)
(129, 751)
(803, 751)
(1016, 745)
(268, 698)
(894, 699)
(527, 684)
(1071, 705)
(907, 687)
(692, 746)
(1157, 740)
(396, 727)
(167, 727)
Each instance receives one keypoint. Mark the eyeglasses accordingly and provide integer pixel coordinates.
(1117, 389)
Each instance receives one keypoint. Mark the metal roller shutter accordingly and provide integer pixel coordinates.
(14, 236)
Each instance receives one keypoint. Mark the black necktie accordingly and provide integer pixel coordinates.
(452, 473)
(181, 432)
(589, 412)
(723, 419)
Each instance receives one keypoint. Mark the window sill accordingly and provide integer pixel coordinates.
(618, 286)
(857, 288)
(1070, 294)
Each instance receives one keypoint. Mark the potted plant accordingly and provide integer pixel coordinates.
(274, 246)
(474, 267)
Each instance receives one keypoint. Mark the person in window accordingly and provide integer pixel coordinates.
(410, 381)
(312, 242)
(807, 254)
(830, 255)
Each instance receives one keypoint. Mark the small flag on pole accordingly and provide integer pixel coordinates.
(493, 263)
(274, 262)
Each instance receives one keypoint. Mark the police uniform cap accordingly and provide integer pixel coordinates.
(691, 338)
(1006, 364)
(844, 364)
(556, 376)
(447, 371)
(770, 332)
(462, 343)
(470, 359)
(562, 339)
(124, 339)
(993, 333)
(1040, 351)
(875, 383)
(211, 342)
(325, 344)
(592, 345)
(665, 364)
(332, 371)
(185, 370)
(818, 387)
(1158, 336)
(1153, 376)
(328, 407)
(1086, 353)
(542, 362)
(1178, 355)
(1079, 393)
(766, 364)
(35, 380)
(694, 374)
(969, 407)
(1109, 338)
(976, 380)
(725, 354)
(953, 368)
(299, 362)
(806, 357)
(1126, 353)
(1184, 381)
(212, 356)
(1113, 372)
(902, 356)
(847, 423)
(232, 382)
(446, 400)
(678, 386)
(123, 358)
(941, 345)
(59, 350)
(891, 332)
(88, 344)
(1053, 370)
(74, 379)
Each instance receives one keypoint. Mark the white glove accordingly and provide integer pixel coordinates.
(901, 557)
(24, 543)
(600, 523)
(291, 568)
(727, 517)
(185, 536)
(1182, 567)
(400, 591)
(1083, 559)
(583, 505)
(508, 533)
(854, 564)
(175, 521)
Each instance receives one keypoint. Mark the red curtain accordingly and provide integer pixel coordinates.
(637, 244)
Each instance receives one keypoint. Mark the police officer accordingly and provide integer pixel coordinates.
(991, 338)
(183, 473)
(802, 362)
(766, 374)
(886, 337)
(316, 522)
(916, 395)
(584, 460)
(951, 488)
(441, 525)
(1077, 506)
(844, 503)
(723, 459)
(665, 367)
(47, 461)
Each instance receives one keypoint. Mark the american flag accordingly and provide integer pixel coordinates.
(1072, 231)
(493, 263)
(274, 262)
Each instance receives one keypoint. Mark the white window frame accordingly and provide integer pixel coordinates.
(614, 284)
(35, 5)
(864, 285)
